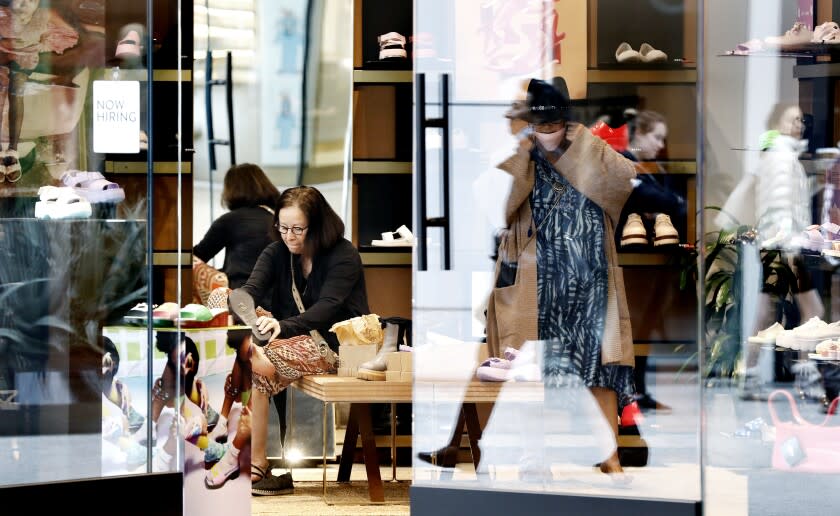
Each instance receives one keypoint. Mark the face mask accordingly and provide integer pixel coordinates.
(550, 141)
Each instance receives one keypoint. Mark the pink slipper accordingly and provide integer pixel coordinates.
(493, 370)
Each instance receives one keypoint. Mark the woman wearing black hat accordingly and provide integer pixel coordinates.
(566, 288)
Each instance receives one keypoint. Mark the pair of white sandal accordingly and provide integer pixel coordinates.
(646, 54)
(404, 238)
(10, 166)
(61, 202)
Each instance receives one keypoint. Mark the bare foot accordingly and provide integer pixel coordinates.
(616, 473)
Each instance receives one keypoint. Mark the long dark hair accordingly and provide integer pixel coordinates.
(246, 185)
(325, 226)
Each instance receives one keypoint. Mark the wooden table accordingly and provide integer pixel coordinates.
(361, 393)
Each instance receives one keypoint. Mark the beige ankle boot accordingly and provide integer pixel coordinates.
(374, 370)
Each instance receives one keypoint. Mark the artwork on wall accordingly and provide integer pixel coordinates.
(282, 40)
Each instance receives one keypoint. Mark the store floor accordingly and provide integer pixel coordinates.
(342, 499)
(739, 479)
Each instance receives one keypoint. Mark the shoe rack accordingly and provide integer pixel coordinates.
(382, 153)
(652, 274)
(129, 170)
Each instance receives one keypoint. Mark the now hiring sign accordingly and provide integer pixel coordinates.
(116, 117)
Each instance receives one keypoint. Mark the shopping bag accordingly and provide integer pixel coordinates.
(801, 445)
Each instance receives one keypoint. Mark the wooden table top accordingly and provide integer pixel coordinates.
(329, 388)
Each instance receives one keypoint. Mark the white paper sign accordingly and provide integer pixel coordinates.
(116, 117)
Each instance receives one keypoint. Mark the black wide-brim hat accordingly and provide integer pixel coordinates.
(548, 103)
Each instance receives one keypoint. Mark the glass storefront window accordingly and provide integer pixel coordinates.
(554, 298)
(770, 155)
(93, 160)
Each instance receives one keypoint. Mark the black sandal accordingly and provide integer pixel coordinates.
(258, 471)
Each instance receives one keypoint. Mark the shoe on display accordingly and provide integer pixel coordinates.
(805, 337)
(652, 55)
(664, 231)
(61, 203)
(404, 238)
(392, 46)
(799, 34)
(634, 232)
(828, 32)
(625, 54)
(493, 369)
(374, 370)
(129, 46)
(93, 186)
(767, 335)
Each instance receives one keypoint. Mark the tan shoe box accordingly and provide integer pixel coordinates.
(393, 376)
(351, 357)
(406, 361)
(393, 361)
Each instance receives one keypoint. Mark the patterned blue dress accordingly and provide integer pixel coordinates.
(572, 279)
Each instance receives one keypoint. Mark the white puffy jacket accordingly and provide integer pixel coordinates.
(783, 198)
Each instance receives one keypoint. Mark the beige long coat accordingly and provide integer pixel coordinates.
(603, 176)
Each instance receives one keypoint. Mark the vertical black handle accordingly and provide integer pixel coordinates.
(420, 186)
(424, 222)
(444, 124)
(208, 107)
(229, 101)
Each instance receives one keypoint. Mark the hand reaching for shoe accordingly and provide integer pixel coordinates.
(266, 324)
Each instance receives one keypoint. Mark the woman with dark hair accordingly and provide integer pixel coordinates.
(313, 278)
(244, 231)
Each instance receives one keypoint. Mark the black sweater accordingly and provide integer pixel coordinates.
(335, 290)
(243, 234)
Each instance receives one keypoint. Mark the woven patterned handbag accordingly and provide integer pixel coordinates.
(205, 279)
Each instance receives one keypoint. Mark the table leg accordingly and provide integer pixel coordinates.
(324, 455)
(394, 442)
(348, 449)
(375, 487)
(473, 431)
(290, 396)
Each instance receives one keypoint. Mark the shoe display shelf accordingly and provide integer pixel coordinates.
(652, 273)
(381, 167)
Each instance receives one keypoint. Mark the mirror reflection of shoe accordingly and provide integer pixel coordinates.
(446, 457)
(646, 402)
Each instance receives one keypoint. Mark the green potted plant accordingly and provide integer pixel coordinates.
(724, 255)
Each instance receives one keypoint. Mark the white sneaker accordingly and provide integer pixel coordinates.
(664, 232)
(634, 232)
(809, 339)
(767, 335)
(802, 334)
